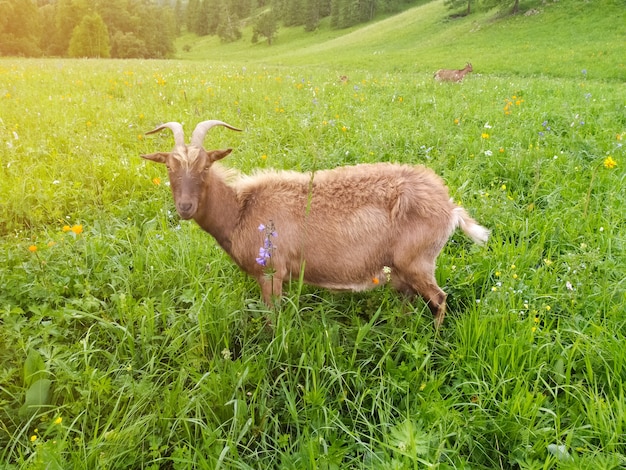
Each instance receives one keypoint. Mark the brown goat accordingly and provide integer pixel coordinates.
(446, 75)
(350, 228)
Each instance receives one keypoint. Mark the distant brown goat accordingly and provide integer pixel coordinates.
(350, 228)
(445, 75)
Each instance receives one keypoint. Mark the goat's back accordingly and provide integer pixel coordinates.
(400, 190)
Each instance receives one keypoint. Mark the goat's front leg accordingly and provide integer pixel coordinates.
(271, 288)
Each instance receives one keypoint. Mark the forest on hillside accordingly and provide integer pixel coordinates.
(148, 28)
(87, 28)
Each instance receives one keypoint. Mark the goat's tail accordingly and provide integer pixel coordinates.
(471, 228)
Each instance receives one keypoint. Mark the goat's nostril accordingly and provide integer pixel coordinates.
(185, 206)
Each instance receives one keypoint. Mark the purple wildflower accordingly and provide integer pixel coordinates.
(266, 251)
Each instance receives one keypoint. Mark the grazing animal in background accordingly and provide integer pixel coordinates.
(446, 75)
(350, 228)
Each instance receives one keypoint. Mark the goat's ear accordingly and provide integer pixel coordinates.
(159, 157)
(215, 155)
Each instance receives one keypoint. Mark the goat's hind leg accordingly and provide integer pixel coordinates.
(435, 298)
(423, 282)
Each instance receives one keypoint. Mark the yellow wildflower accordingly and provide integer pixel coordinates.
(32, 248)
(77, 229)
(33, 438)
(156, 181)
(66, 228)
(484, 135)
(609, 162)
(59, 420)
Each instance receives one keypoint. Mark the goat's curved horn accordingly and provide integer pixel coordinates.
(199, 133)
(176, 128)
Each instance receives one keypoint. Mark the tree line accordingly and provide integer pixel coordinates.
(226, 18)
(148, 28)
(467, 7)
(87, 28)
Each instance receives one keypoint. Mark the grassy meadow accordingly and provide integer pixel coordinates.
(130, 340)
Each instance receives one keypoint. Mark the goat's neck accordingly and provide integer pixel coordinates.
(219, 211)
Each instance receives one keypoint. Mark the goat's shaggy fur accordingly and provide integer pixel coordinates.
(446, 75)
(349, 228)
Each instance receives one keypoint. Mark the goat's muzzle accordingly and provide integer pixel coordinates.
(186, 210)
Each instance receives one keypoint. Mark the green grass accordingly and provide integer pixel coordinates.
(138, 344)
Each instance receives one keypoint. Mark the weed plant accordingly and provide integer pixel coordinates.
(130, 340)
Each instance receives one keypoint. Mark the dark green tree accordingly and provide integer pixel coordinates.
(335, 13)
(214, 8)
(466, 5)
(19, 28)
(266, 25)
(228, 28)
(156, 28)
(202, 19)
(48, 24)
(312, 14)
(293, 13)
(469, 6)
(242, 8)
(117, 15)
(366, 10)
(90, 38)
(513, 6)
(68, 15)
(179, 14)
(128, 46)
(193, 10)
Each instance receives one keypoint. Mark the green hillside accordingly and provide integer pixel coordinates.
(556, 39)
